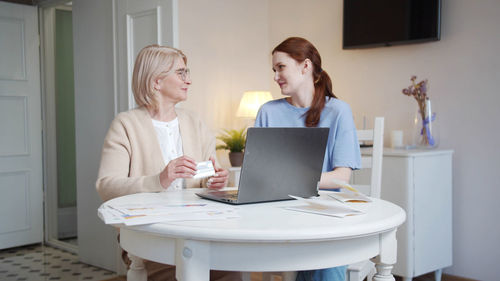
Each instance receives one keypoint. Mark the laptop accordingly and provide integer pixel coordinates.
(277, 162)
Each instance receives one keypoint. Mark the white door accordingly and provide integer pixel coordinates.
(21, 182)
(141, 23)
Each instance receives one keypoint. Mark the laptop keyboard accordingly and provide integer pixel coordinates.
(229, 194)
(232, 194)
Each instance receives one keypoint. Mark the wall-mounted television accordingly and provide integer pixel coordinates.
(373, 23)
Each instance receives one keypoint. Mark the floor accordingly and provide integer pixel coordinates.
(39, 262)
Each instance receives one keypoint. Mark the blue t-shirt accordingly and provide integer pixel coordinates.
(342, 149)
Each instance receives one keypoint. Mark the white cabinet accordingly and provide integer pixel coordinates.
(420, 181)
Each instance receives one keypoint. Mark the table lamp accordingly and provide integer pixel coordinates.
(251, 102)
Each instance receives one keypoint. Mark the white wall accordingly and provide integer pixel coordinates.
(226, 42)
(464, 73)
(227, 49)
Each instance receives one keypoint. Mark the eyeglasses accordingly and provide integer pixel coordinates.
(183, 73)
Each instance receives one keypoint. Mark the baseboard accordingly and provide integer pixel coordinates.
(444, 277)
(447, 277)
(117, 278)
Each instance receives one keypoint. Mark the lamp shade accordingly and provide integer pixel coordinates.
(251, 102)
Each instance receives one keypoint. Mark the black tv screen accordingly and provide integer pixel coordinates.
(372, 23)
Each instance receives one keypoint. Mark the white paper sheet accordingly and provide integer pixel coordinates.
(351, 197)
(136, 214)
(324, 207)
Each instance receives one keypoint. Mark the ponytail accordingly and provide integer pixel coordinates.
(322, 89)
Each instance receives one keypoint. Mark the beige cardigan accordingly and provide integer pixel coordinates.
(131, 159)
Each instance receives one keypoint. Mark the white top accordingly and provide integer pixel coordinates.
(169, 138)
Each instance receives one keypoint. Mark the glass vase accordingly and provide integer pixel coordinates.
(425, 129)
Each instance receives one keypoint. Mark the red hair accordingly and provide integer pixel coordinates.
(300, 49)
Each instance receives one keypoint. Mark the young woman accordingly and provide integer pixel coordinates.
(310, 102)
(155, 147)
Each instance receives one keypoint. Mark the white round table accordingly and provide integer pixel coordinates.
(266, 237)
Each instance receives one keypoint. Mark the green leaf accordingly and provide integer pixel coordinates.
(234, 140)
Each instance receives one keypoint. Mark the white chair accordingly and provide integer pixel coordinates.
(358, 271)
(366, 269)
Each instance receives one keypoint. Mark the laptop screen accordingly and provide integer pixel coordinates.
(282, 161)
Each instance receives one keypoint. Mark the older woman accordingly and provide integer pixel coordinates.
(156, 146)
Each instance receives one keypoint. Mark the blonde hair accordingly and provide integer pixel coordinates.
(153, 62)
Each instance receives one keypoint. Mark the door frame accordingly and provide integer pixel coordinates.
(47, 73)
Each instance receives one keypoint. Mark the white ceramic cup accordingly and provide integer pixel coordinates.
(396, 139)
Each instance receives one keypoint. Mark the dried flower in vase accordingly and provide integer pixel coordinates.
(419, 92)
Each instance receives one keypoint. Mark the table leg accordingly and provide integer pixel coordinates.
(383, 272)
(387, 258)
(137, 270)
(437, 274)
(192, 260)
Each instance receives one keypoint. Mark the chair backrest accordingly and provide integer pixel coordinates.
(373, 162)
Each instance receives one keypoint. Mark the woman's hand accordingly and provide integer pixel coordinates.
(329, 179)
(219, 180)
(182, 167)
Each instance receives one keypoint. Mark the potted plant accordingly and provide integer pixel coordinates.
(234, 141)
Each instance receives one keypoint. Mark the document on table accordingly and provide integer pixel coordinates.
(324, 207)
(137, 214)
(352, 197)
(349, 195)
